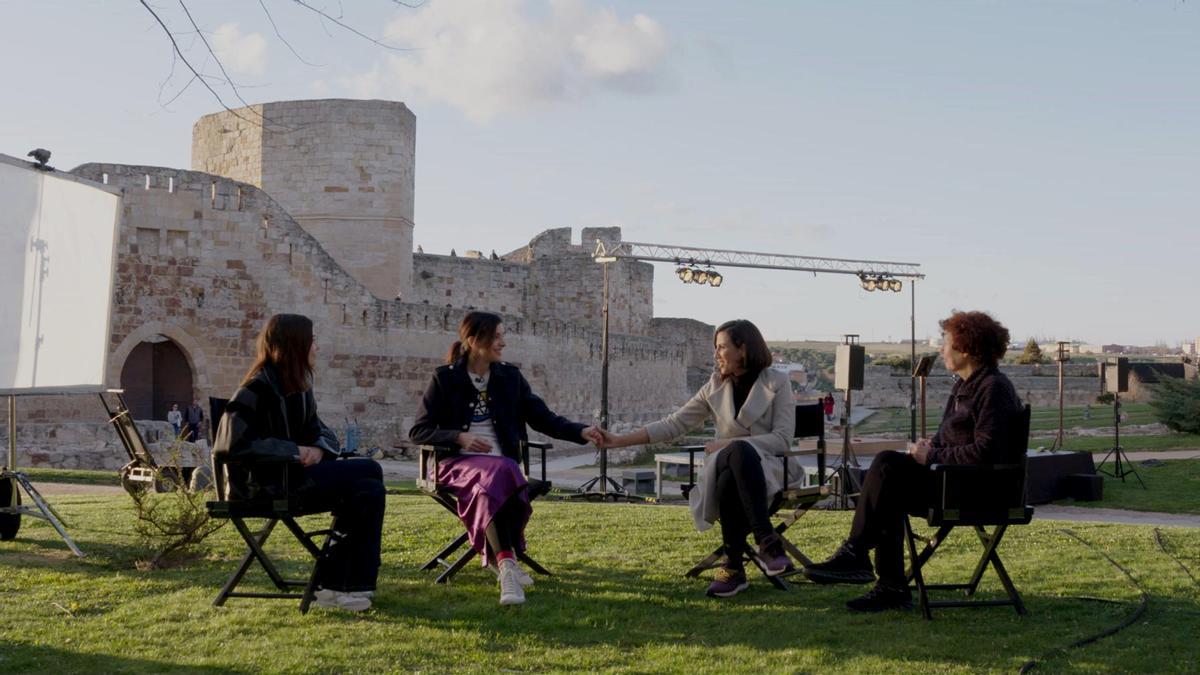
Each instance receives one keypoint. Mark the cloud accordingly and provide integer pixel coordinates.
(241, 53)
(495, 57)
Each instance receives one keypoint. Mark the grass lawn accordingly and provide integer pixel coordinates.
(1172, 487)
(617, 602)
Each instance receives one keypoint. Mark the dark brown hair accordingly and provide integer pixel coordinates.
(476, 327)
(742, 333)
(284, 343)
(977, 334)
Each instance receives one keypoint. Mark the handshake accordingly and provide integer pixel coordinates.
(600, 438)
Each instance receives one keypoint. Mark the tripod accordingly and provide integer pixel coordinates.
(1121, 464)
(848, 483)
(10, 508)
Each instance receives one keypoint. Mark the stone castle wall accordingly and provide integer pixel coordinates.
(343, 169)
(204, 260)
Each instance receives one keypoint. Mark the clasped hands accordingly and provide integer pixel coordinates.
(920, 450)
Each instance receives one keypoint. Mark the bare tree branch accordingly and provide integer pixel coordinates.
(352, 29)
(283, 39)
(228, 80)
(186, 62)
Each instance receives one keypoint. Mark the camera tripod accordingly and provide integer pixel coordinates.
(1121, 465)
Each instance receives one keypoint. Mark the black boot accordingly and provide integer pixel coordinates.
(846, 566)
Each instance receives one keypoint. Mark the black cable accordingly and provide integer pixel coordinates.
(1158, 540)
(1125, 623)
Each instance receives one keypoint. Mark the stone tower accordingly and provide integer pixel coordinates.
(343, 169)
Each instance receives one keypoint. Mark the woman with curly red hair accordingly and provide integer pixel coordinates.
(977, 428)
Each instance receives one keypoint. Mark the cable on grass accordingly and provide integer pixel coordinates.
(1143, 605)
(1162, 547)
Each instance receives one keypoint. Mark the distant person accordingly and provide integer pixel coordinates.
(827, 404)
(193, 416)
(977, 428)
(755, 417)
(175, 418)
(273, 416)
(481, 405)
(1087, 411)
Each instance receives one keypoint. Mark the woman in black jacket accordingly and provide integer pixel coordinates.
(479, 404)
(272, 418)
(979, 427)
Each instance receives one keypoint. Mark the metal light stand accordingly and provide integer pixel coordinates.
(848, 483)
(1062, 357)
(598, 487)
(9, 473)
(921, 373)
(1121, 465)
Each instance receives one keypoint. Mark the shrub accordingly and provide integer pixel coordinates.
(1177, 404)
(172, 525)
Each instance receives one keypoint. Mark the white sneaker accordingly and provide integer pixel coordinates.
(351, 602)
(523, 577)
(511, 591)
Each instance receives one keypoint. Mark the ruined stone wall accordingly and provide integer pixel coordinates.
(698, 343)
(343, 169)
(441, 280)
(883, 388)
(204, 261)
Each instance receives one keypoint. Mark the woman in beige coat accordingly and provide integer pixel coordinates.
(754, 413)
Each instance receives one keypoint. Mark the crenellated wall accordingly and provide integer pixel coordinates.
(204, 260)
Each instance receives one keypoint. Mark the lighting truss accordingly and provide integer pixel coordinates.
(708, 257)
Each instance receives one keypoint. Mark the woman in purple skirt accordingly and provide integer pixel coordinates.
(480, 405)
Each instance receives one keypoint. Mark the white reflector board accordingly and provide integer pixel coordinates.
(58, 236)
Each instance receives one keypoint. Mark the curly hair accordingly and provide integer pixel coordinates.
(977, 334)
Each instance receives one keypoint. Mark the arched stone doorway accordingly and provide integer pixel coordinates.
(155, 375)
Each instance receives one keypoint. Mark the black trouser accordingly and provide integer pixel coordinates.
(504, 531)
(741, 498)
(896, 484)
(353, 490)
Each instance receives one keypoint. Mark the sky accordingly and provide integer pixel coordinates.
(1039, 160)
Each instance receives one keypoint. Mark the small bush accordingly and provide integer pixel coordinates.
(173, 525)
(1106, 397)
(1177, 404)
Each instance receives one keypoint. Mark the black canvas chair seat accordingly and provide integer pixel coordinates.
(428, 458)
(272, 512)
(979, 497)
(792, 502)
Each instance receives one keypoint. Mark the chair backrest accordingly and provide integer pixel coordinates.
(216, 409)
(810, 421)
(988, 494)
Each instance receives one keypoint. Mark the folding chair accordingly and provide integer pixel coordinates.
(976, 496)
(793, 501)
(273, 511)
(427, 463)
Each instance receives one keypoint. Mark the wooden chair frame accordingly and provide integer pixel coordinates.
(793, 501)
(979, 497)
(276, 511)
(428, 459)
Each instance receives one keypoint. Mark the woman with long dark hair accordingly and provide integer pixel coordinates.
(481, 405)
(978, 427)
(273, 416)
(755, 417)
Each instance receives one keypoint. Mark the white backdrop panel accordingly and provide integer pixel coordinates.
(57, 248)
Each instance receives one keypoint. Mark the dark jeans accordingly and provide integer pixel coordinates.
(741, 498)
(353, 490)
(896, 485)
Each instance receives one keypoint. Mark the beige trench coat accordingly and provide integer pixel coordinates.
(767, 421)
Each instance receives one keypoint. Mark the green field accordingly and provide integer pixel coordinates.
(617, 602)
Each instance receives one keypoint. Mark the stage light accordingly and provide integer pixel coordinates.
(702, 277)
(688, 275)
(871, 284)
(715, 279)
(896, 285)
(680, 271)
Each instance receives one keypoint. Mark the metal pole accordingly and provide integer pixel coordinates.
(912, 364)
(1058, 441)
(604, 386)
(12, 432)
